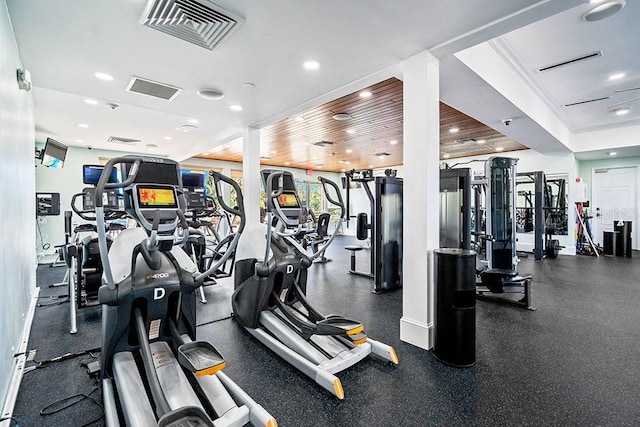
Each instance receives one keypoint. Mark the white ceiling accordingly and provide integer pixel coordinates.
(64, 42)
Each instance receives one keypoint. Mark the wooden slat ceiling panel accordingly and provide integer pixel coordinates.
(376, 120)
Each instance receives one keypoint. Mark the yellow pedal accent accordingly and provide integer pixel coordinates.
(360, 341)
(272, 423)
(394, 356)
(355, 331)
(212, 370)
(337, 386)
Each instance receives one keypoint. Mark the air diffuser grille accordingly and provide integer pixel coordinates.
(199, 22)
(323, 143)
(120, 140)
(151, 88)
(571, 61)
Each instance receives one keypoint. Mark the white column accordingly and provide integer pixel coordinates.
(251, 173)
(421, 152)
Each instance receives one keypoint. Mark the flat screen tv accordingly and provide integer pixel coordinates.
(192, 180)
(54, 154)
(91, 174)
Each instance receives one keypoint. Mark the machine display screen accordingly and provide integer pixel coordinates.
(288, 200)
(91, 174)
(157, 197)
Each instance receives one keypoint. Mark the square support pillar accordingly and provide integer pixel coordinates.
(251, 173)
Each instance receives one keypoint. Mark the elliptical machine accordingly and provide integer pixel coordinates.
(153, 370)
(269, 298)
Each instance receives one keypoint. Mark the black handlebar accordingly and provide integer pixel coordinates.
(339, 202)
(271, 193)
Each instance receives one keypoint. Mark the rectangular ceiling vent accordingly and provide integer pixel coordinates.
(323, 143)
(199, 22)
(466, 141)
(151, 88)
(120, 140)
(571, 61)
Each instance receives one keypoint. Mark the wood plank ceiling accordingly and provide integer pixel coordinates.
(369, 137)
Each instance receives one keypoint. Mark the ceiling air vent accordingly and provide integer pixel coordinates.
(587, 101)
(466, 141)
(151, 88)
(199, 22)
(571, 61)
(323, 144)
(383, 154)
(120, 140)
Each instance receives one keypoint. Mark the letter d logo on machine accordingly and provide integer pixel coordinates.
(158, 293)
(289, 269)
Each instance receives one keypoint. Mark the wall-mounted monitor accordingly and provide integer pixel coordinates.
(192, 180)
(91, 174)
(54, 154)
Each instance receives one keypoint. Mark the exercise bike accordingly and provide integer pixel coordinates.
(153, 370)
(270, 294)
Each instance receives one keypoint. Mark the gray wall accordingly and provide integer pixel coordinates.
(17, 210)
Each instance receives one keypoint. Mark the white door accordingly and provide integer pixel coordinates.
(613, 199)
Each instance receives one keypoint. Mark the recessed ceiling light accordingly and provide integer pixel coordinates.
(91, 101)
(351, 131)
(193, 121)
(299, 119)
(343, 170)
(604, 10)
(365, 94)
(188, 128)
(211, 94)
(621, 111)
(82, 125)
(341, 116)
(79, 140)
(499, 148)
(612, 153)
(481, 141)
(273, 151)
(445, 156)
(311, 65)
(104, 76)
(236, 107)
(168, 138)
(393, 142)
(348, 151)
(454, 129)
(617, 76)
(370, 166)
(287, 163)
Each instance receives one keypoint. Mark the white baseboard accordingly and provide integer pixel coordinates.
(18, 362)
(416, 333)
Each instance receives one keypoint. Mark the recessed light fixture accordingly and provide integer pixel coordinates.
(188, 128)
(481, 141)
(341, 116)
(103, 76)
(82, 125)
(445, 156)
(273, 151)
(193, 121)
(348, 151)
(211, 94)
(617, 76)
(370, 166)
(168, 138)
(612, 153)
(621, 111)
(343, 170)
(365, 94)
(91, 101)
(351, 131)
(604, 10)
(454, 129)
(311, 65)
(299, 119)
(79, 140)
(393, 142)
(499, 148)
(287, 163)
(236, 107)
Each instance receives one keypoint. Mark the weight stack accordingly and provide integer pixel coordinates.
(455, 307)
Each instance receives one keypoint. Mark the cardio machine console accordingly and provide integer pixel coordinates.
(150, 200)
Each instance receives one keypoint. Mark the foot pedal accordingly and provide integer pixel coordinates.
(191, 416)
(200, 357)
(339, 326)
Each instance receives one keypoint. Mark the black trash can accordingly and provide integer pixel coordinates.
(609, 242)
(455, 307)
(623, 241)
